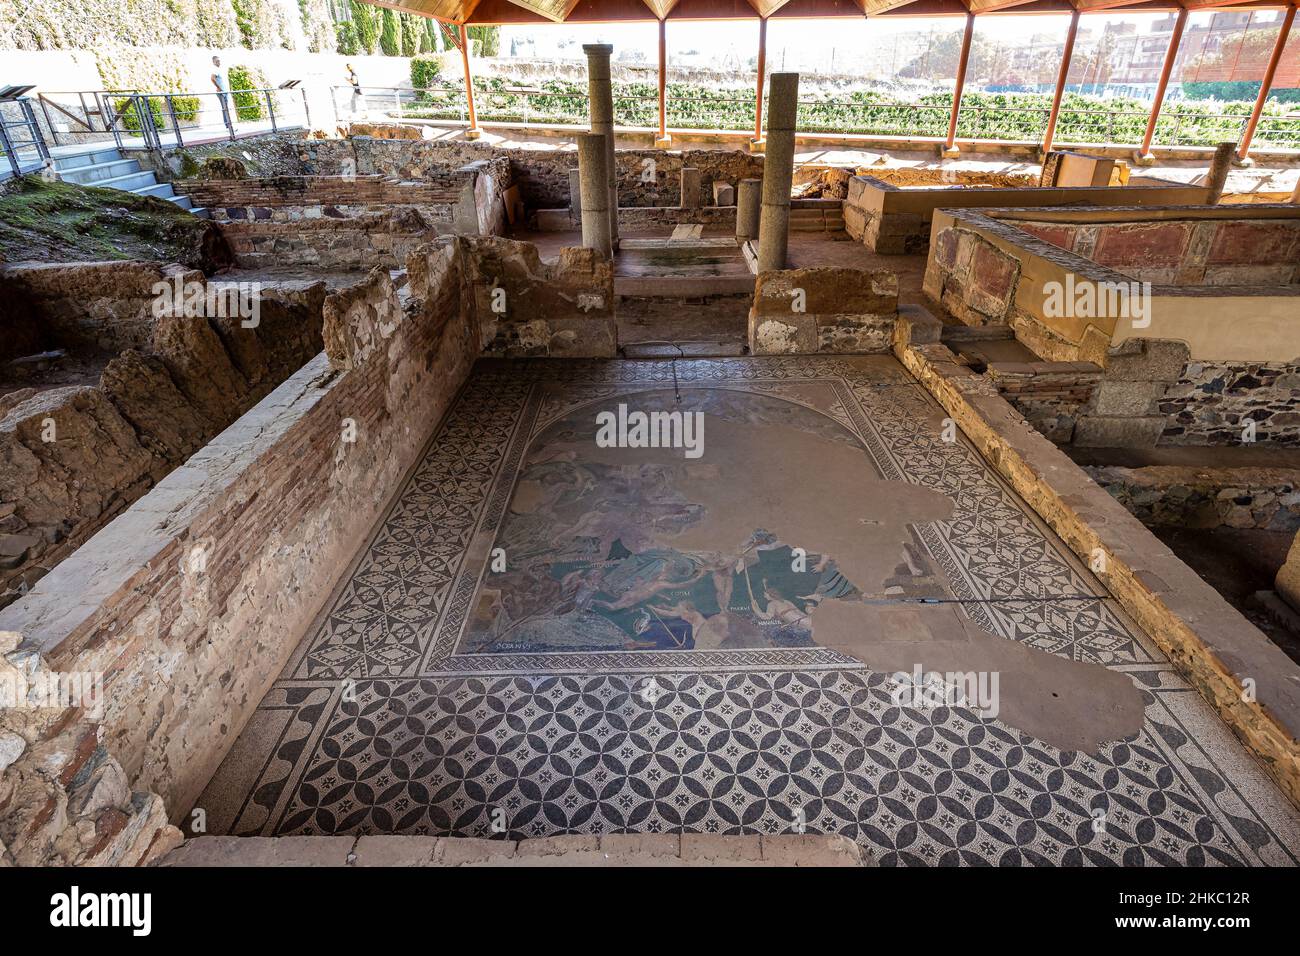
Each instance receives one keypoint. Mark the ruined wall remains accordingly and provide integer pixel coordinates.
(1179, 496)
(1051, 395)
(74, 456)
(809, 311)
(380, 239)
(646, 177)
(190, 602)
(1213, 252)
(891, 210)
(1174, 371)
(64, 800)
(530, 308)
(1210, 403)
(352, 222)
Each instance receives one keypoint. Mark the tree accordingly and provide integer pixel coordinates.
(363, 17)
(390, 36)
(489, 39)
(410, 35)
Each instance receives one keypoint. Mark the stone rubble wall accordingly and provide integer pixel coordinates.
(75, 456)
(1194, 497)
(1210, 402)
(815, 311)
(530, 308)
(646, 177)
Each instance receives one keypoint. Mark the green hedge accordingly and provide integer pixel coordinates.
(186, 109)
(1000, 116)
(424, 71)
(248, 105)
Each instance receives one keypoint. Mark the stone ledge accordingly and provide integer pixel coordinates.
(1211, 644)
(615, 849)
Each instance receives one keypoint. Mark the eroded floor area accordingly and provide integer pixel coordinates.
(548, 635)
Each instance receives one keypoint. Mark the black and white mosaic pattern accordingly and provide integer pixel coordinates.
(379, 725)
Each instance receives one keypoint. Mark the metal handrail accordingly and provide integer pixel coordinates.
(12, 147)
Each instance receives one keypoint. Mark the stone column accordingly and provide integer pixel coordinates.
(575, 194)
(749, 203)
(600, 93)
(1218, 174)
(592, 157)
(778, 171)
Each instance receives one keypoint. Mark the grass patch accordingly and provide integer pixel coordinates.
(63, 222)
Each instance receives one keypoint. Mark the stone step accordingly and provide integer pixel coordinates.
(92, 174)
(90, 158)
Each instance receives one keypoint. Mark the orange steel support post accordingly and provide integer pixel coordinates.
(1066, 55)
(762, 67)
(950, 146)
(1249, 133)
(473, 131)
(663, 84)
(1170, 55)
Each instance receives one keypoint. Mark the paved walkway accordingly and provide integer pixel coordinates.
(712, 644)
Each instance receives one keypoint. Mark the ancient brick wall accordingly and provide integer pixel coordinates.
(1051, 395)
(189, 604)
(357, 243)
(313, 191)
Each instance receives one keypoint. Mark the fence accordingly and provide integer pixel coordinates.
(21, 143)
(725, 110)
(153, 120)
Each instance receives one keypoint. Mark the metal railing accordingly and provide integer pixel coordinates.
(169, 119)
(726, 110)
(21, 142)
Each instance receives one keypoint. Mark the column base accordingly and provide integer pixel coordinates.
(1242, 162)
(757, 145)
(473, 133)
(663, 142)
(1143, 159)
(950, 152)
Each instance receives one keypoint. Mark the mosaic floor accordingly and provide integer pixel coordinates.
(549, 636)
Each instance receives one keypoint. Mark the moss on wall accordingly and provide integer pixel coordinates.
(64, 222)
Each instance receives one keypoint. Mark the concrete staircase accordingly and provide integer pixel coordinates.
(107, 168)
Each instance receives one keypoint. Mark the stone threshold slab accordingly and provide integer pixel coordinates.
(620, 849)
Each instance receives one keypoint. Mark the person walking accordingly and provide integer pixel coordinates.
(358, 98)
(220, 84)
